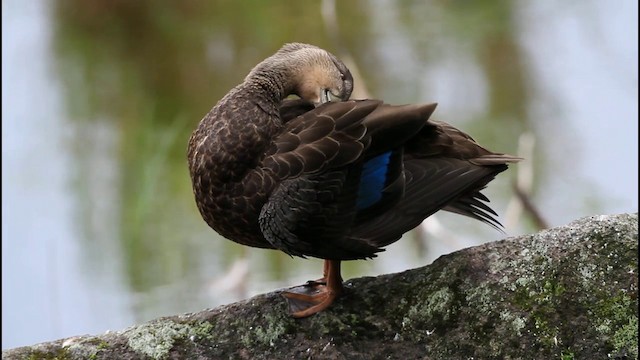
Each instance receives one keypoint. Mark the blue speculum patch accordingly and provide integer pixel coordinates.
(372, 180)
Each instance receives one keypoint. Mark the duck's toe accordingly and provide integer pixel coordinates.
(307, 300)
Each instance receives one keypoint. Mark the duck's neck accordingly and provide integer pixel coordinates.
(273, 80)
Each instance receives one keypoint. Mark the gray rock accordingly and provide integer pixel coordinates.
(566, 293)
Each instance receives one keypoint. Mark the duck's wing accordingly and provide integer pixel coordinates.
(329, 136)
(444, 169)
(292, 108)
(337, 134)
(318, 162)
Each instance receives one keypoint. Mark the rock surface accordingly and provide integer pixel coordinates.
(566, 293)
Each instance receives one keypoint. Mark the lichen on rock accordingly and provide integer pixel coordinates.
(565, 293)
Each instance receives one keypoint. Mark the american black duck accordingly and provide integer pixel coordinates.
(324, 176)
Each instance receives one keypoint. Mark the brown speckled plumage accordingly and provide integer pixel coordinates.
(288, 174)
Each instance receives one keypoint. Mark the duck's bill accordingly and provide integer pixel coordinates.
(327, 96)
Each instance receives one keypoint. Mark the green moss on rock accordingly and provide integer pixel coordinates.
(565, 293)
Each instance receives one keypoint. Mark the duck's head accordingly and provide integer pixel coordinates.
(312, 73)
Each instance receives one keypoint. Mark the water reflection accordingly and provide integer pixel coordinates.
(132, 79)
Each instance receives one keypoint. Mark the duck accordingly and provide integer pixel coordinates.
(287, 161)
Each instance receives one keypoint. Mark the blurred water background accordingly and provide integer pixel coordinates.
(99, 226)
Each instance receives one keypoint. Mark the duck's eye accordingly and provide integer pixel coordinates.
(342, 76)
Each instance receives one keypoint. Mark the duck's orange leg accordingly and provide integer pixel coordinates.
(324, 292)
(323, 279)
